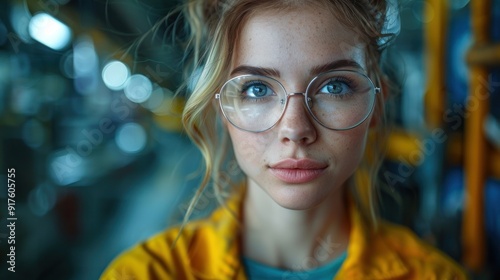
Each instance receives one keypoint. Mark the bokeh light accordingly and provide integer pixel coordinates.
(66, 166)
(85, 64)
(156, 99)
(49, 31)
(115, 75)
(42, 199)
(84, 57)
(423, 11)
(20, 19)
(131, 138)
(138, 88)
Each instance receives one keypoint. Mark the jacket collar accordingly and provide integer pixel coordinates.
(368, 255)
(216, 253)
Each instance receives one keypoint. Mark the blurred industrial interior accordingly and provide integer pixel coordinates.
(90, 123)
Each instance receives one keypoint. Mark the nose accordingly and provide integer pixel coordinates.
(296, 124)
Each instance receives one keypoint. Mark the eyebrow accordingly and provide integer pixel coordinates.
(343, 63)
(246, 69)
(253, 70)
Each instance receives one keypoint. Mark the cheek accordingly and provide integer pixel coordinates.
(249, 148)
(357, 140)
(348, 147)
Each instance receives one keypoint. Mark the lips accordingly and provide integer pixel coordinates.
(297, 171)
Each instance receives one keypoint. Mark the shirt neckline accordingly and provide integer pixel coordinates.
(263, 271)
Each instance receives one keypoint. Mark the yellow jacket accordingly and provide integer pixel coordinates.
(209, 249)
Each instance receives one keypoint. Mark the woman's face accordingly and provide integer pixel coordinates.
(298, 162)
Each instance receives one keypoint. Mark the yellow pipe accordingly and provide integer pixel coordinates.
(484, 55)
(475, 177)
(403, 146)
(494, 169)
(475, 153)
(436, 15)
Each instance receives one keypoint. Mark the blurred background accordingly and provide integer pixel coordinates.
(91, 126)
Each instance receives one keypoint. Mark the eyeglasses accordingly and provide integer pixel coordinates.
(338, 100)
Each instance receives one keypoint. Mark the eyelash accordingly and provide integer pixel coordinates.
(248, 84)
(345, 80)
(348, 82)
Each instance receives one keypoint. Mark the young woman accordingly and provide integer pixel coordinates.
(297, 87)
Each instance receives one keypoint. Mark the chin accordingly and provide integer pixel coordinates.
(297, 197)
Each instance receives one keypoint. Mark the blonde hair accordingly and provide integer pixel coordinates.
(212, 32)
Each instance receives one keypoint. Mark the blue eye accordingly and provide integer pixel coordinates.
(256, 90)
(336, 87)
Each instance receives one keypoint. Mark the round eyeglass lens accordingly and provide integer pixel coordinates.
(253, 103)
(341, 99)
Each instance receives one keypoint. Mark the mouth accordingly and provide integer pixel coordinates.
(297, 171)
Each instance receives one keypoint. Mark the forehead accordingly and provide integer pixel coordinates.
(296, 38)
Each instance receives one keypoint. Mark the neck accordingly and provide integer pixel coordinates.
(293, 239)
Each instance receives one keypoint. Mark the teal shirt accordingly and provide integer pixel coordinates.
(259, 271)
